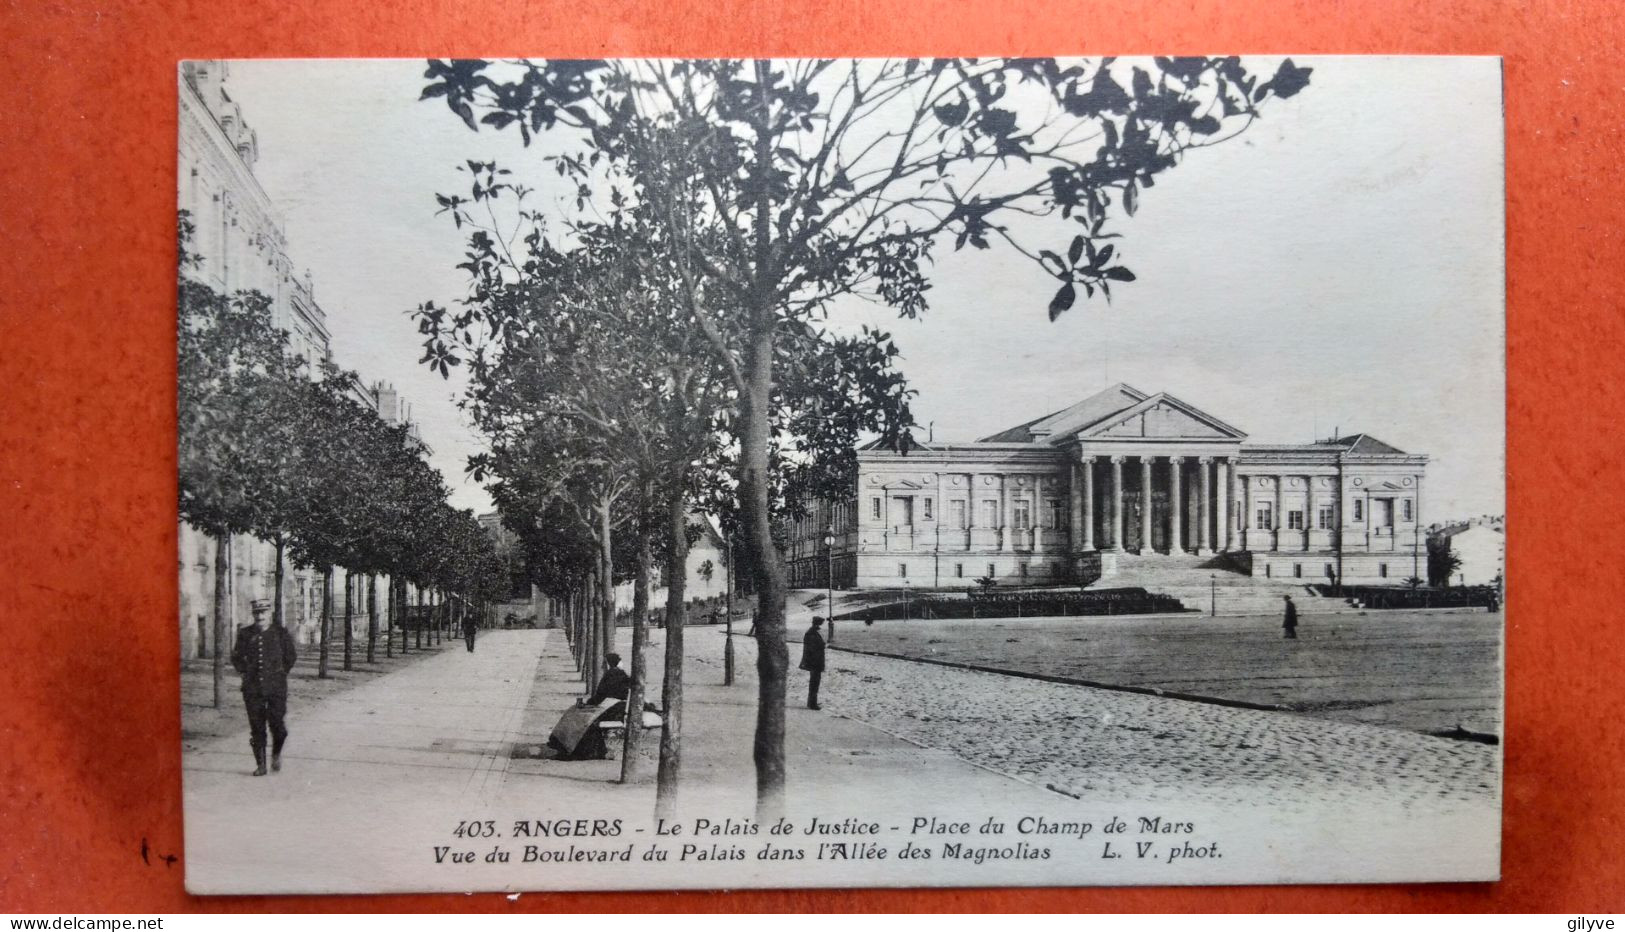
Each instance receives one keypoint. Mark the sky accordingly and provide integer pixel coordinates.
(1338, 267)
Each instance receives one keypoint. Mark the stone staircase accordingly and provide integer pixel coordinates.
(1195, 581)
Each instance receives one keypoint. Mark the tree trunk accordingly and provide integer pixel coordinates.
(606, 559)
(728, 607)
(395, 618)
(595, 632)
(222, 607)
(419, 621)
(372, 618)
(671, 732)
(772, 656)
(631, 754)
(277, 616)
(349, 620)
(327, 619)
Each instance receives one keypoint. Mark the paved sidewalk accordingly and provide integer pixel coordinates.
(355, 765)
(379, 783)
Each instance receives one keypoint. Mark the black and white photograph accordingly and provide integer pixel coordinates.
(651, 474)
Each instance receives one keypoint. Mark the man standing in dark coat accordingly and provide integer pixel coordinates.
(469, 627)
(1290, 624)
(263, 656)
(812, 660)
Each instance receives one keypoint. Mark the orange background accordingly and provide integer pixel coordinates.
(89, 717)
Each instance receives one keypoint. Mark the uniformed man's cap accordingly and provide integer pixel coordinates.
(260, 605)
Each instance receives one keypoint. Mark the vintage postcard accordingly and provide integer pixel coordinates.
(657, 474)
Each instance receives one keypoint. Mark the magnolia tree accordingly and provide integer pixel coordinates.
(231, 361)
(784, 185)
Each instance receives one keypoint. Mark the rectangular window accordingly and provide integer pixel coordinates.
(1024, 514)
(1294, 520)
(927, 513)
(902, 570)
(875, 508)
(959, 571)
(956, 512)
(1407, 509)
(1384, 515)
(990, 513)
(1263, 518)
(990, 570)
(1382, 570)
(1324, 518)
(1023, 571)
(1359, 510)
(1055, 513)
(1297, 570)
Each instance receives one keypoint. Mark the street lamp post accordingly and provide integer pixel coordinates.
(906, 585)
(829, 580)
(1213, 583)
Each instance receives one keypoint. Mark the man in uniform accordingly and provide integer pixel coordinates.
(263, 656)
(1290, 623)
(812, 660)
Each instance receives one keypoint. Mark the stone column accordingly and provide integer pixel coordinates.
(1088, 470)
(1226, 539)
(1176, 543)
(970, 510)
(1309, 513)
(1204, 507)
(1248, 538)
(1280, 509)
(1037, 513)
(1004, 512)
(1117, 504)
(1145, 505)
(1075, 508)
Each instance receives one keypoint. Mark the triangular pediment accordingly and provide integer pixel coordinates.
(1119, 397)
(1160, 417)
(903, 485)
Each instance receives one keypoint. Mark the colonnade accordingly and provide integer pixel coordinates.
(1215, 527)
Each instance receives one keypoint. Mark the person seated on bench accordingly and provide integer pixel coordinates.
(579, 735)
(614, 684)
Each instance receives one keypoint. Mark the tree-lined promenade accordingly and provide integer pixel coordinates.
(647, 340)
(277, 447)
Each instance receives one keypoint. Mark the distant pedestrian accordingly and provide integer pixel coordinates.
(469, 627)
(1290, 623)
(812, 660)
(263, 656)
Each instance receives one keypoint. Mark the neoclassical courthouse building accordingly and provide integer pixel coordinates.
(1071, 497)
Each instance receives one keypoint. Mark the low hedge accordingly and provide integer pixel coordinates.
(1023, 604)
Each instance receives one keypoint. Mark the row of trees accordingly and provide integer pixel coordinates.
(272, 449)
(652, 339)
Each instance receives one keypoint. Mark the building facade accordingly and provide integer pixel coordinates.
(239, 238)
(1122, 475)
(1480, 544)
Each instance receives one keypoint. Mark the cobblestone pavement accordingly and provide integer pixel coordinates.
(1425, 671)
(1091, 742)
